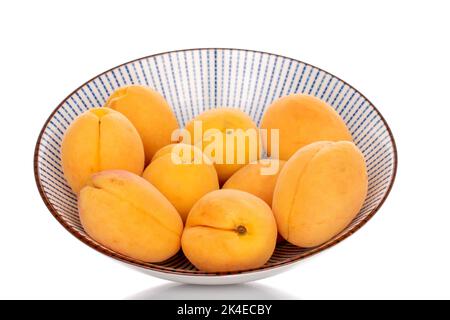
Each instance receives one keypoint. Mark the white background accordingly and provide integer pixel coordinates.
(395, 52)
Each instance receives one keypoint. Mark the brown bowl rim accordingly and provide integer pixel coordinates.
(159, 268)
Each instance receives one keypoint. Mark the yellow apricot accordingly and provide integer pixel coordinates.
(127, 214)
(301, 120)
(229, 230)
(226, 124)
(319, 191)
(150, 114)
(100, 139)
(182, 180)
(181, 150)
(252, 178)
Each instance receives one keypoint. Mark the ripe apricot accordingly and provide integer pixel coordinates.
(182, 181)
(237, 132)
(252, 179)
(301, 120)
(100, 139)
(150, 114)
(127, 214)
(229, 230)
(319, 191)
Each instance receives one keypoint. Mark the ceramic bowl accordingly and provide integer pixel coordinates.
(199, 79)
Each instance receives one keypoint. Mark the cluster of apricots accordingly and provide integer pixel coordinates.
(134, 199)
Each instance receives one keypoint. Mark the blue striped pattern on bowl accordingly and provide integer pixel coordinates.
(196, 80)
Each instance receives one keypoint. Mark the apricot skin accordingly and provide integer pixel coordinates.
(319, 192)
(222, 119)
(229, 230)
(100, 139)
(250, 179)
(301, 120)
(128, 215)
(183, 184)
(150, 114)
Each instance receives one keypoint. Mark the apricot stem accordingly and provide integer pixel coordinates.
(241, 230)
